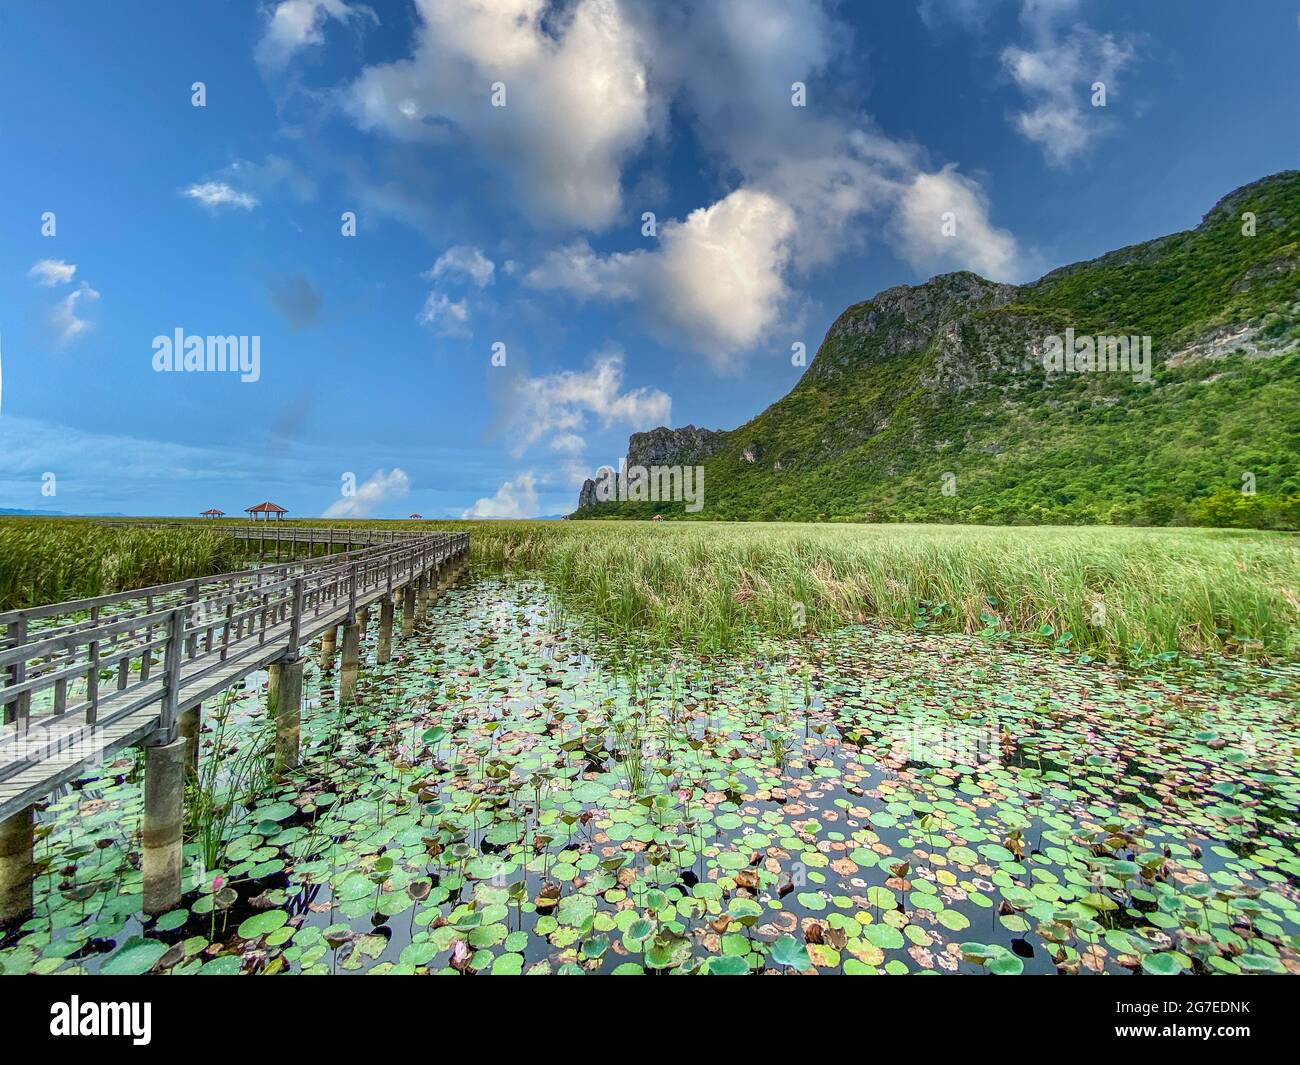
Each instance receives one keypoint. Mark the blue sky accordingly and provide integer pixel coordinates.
(522, 225)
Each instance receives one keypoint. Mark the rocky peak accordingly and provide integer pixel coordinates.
(905, 319)
(662, 446)
(1230, 206)
(673, 447)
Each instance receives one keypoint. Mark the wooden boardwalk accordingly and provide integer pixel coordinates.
(88, 677)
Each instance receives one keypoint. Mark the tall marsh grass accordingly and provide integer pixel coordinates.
(1123, 593)
(46, 560)
(1126, 594)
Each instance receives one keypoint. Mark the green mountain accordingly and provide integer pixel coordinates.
(950, 401)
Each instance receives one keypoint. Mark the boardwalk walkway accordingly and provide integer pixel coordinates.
(89, 677)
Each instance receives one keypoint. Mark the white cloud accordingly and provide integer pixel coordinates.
(466, 262)
(260, 180)
(568, 444)
(969, 13)
(1056, 71)
(721, 279)
(445, 316)
(974, 243)
(216, 194)
(64, 318)
(578, 101)
(293, 25)
(591, 84)
(557, 405)
(51, 272)
(717, 277)
(381, 488)
(514, 499)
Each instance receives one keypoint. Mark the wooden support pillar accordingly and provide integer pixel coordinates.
(188, 725)
(164, 820)
(351, 664)
(421, 595)
(17, 867)
(435, 590)
(327, 646)
(384, 652)
(408, 610)
(284, 706)
(363, 620)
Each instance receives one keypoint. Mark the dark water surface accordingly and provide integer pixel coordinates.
(511, 796)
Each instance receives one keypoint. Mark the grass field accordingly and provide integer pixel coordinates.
(1122, 593)
(1125, 594)
(48, 560)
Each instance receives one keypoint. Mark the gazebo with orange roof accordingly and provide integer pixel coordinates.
(213, 512)
(266, 509)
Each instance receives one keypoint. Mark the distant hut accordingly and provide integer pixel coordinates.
(265, 510)
(417, 517)
(213, 512)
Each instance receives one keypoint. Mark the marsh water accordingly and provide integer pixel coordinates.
(517, 793)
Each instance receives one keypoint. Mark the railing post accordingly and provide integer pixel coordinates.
(17, 709)
(92, 673)
(172, 659)
(295, 622)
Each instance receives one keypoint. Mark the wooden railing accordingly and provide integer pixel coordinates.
(87, 677)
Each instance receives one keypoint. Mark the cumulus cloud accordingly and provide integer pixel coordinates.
(463, 261)
(66, 320)
(1055, 70)
(381, 488)
(965, 239)
(721, 279)
(717, 276)
(590, 85)
(445, 316)
(804, 183)
(51, 272)
(577, 101)
(557, 405)
(293, 25)
(514, 499)
(215, 194)
(568, 444)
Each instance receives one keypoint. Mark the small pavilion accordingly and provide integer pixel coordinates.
(266, 511)
(416, 517)
(213, 512)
